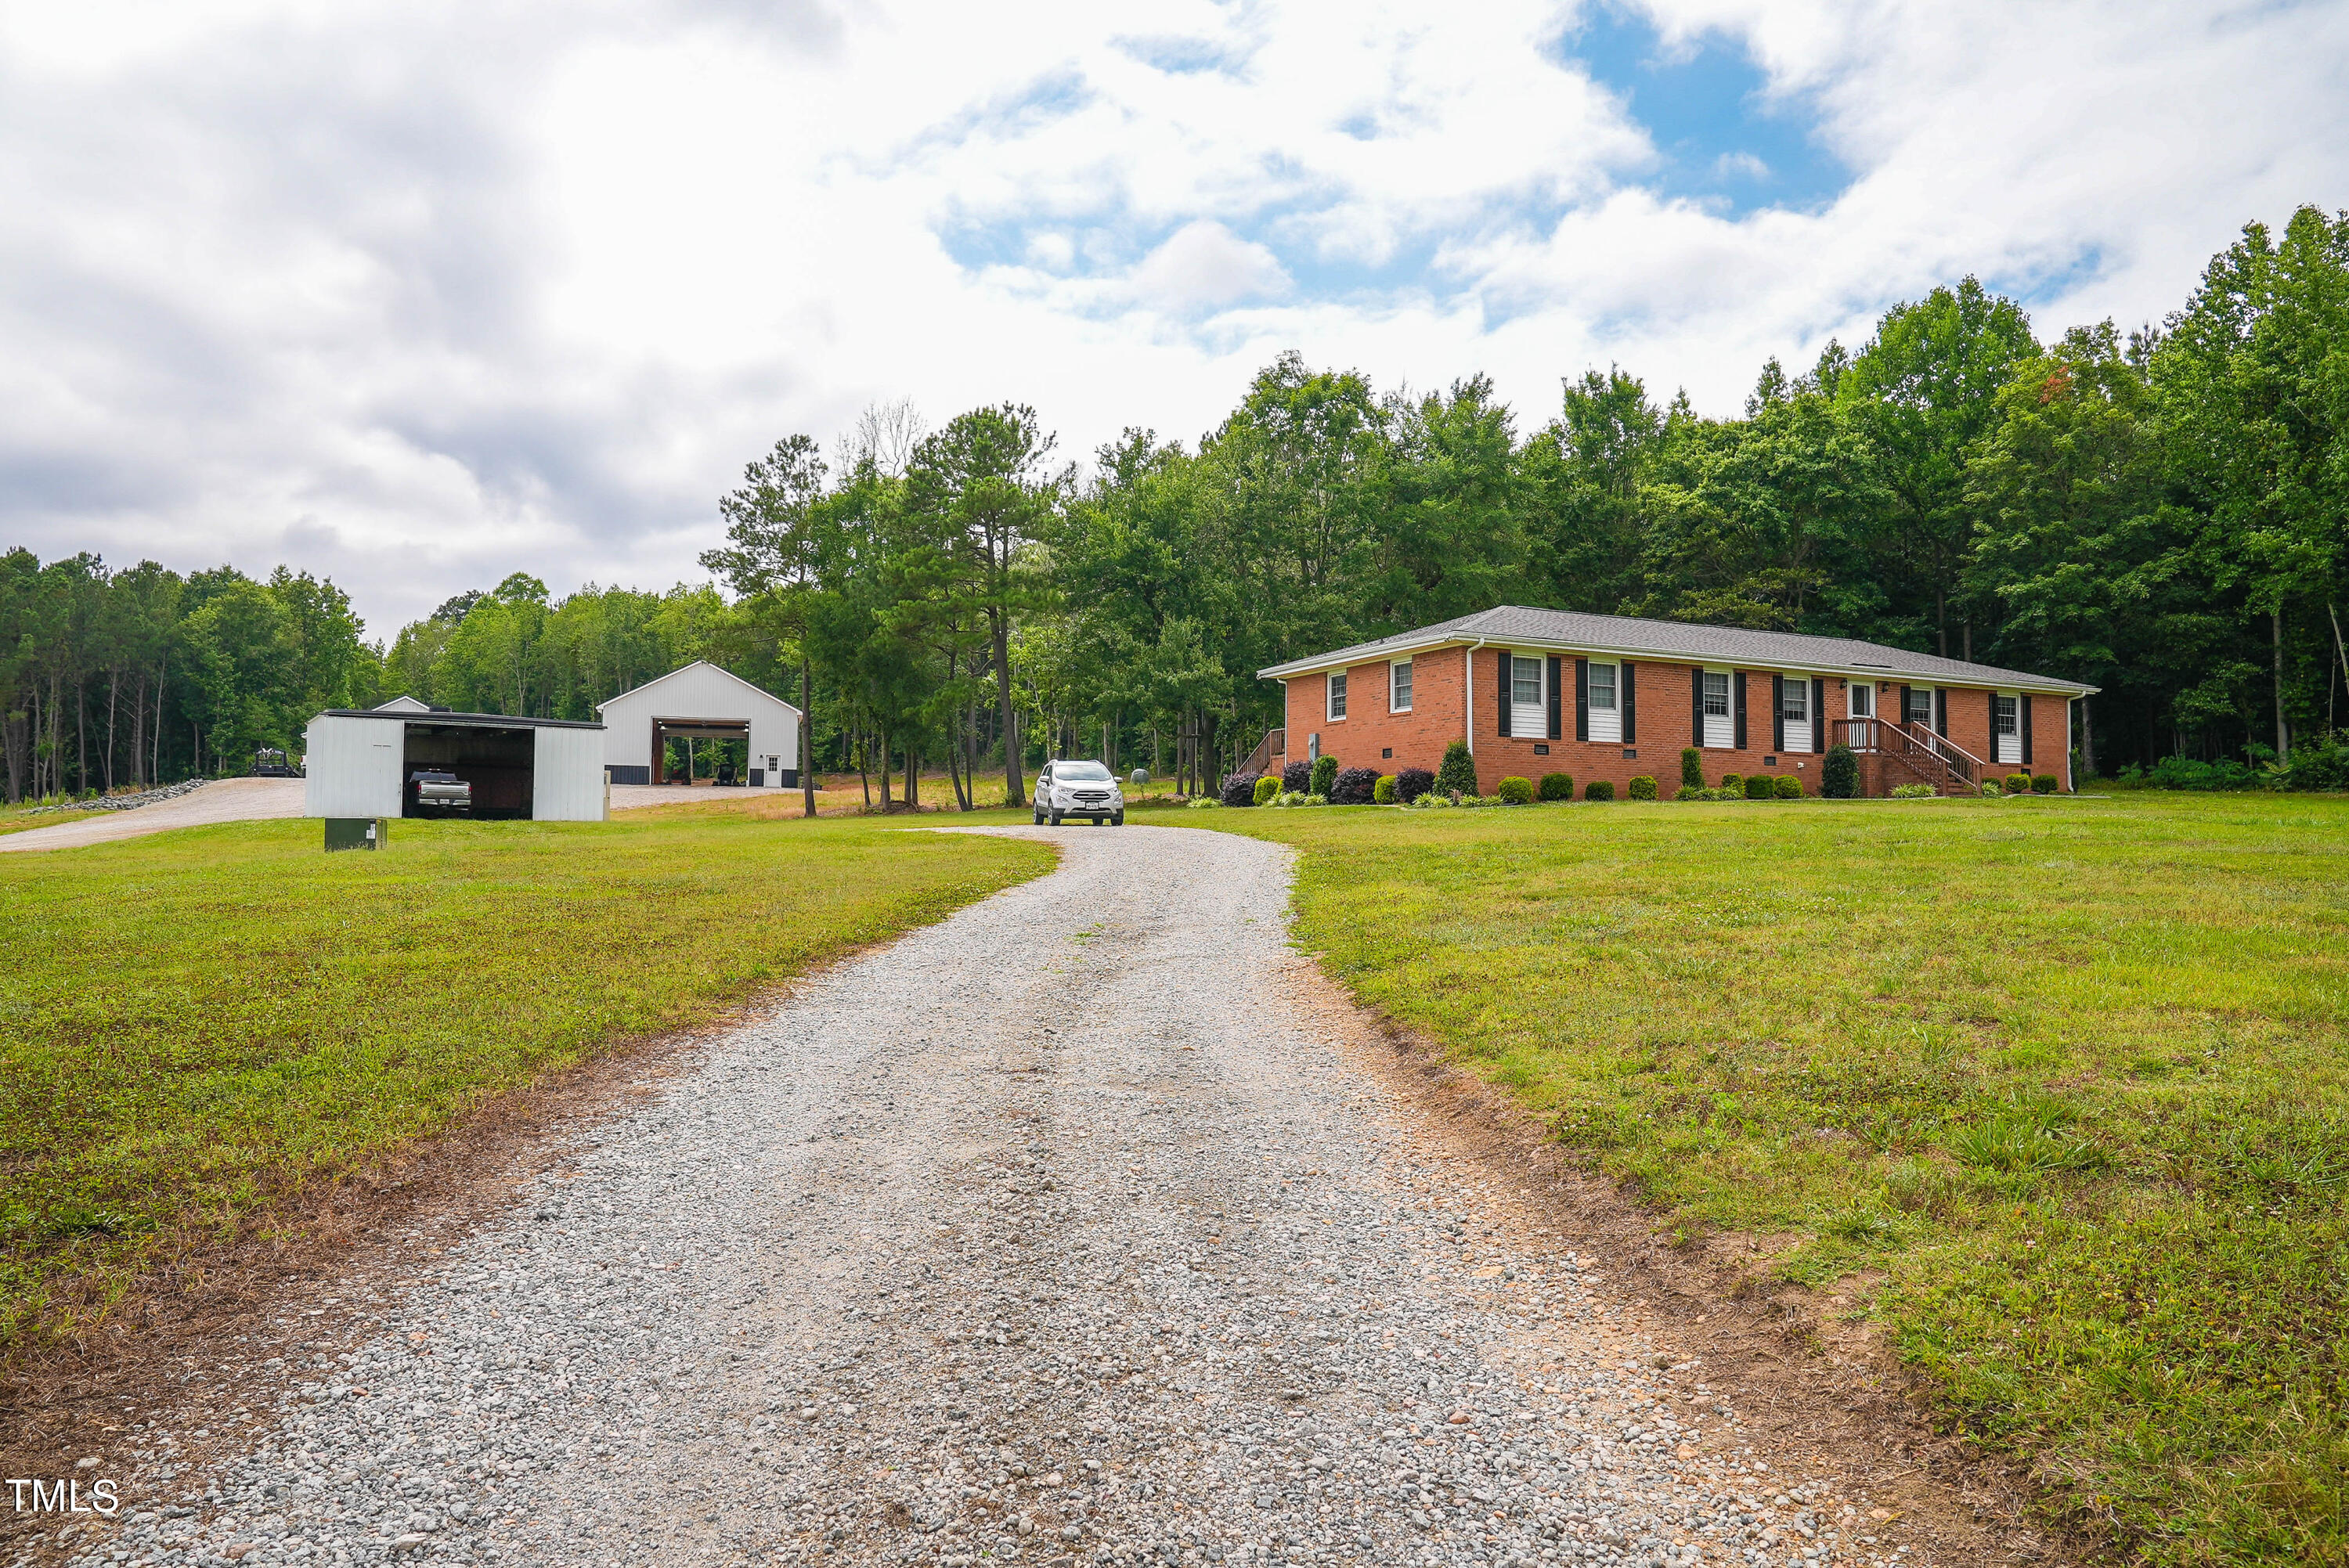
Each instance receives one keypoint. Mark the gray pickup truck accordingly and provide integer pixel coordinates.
(431, 791)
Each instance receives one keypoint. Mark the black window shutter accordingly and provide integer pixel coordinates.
(1902, 717)
(1557, 698)
(1628, 690)
(1696, 705)
(1942, 711)
(1818, 716)
(1504, 691)
(1582, 699)
(2023, 701)
(1777, 713)
(1738, 682)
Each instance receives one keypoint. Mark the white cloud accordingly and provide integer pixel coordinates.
(425, 293)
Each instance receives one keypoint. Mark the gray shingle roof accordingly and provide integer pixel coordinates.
(1679, 640)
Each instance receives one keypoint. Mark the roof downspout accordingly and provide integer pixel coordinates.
(1468, 665)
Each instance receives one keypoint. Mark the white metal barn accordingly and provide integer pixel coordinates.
(546, 769)
(705, 703)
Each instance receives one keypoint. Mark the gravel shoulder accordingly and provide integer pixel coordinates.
(1065, 1229)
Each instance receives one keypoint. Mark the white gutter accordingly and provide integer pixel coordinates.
(1468, 667)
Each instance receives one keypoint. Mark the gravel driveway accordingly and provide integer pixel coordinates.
(1053, 1233)
(222, 800)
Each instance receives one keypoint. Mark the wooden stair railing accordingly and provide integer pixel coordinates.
(1274, 740)
(1928, 758)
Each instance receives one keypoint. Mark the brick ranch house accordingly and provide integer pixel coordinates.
(1606, 697)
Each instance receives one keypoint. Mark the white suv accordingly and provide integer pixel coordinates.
(1078, 789)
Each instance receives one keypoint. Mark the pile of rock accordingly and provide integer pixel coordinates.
(123, 803)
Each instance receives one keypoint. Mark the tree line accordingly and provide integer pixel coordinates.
(2162, 513)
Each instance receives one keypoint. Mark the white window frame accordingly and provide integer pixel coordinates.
(1797, 731)
(1605, 723)
(1723, 724)
(1536, 727)
(1335, 689)
(1926, 693)
(1399, 668)
(1853, 691)
(2006, 746)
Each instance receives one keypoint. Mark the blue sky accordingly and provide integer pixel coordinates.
(1722, 136)
(419, 294)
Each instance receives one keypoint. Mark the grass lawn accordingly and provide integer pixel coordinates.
(193, 1022)
(2060, 1085)
(17, 818)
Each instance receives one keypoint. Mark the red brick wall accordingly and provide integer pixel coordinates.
(1418, 738)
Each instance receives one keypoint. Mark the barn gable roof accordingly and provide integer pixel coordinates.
(757, 691)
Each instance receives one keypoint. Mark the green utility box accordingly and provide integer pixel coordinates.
(356, 833)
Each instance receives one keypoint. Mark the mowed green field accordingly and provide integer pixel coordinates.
(2060, 1085)
(194, 1023)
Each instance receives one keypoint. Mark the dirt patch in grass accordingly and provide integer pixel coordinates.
(1820, 1390)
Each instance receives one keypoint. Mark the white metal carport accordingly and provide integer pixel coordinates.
(545, 769)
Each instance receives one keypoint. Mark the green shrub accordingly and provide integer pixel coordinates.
(1458, 772)
(1787, 788)
(1383, 794)
(1558, 787)
(1642, 787)
(2018, 783)
(1268, 789)
(1203, 803)
(1914, 792)
(2322, 764)
(1433, 801)
(1761, 787)
(2043, 783)
(1732, 781)
(1517, 791)
(2185, 773)
(1839, 778)
(1599, 789)
(1990, 787)
(1325, 775)
(1691, 768)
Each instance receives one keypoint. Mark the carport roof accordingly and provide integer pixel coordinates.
(473, 720)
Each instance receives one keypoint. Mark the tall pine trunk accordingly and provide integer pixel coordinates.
(807, 740)
(2283, 731)
(1015, 784)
